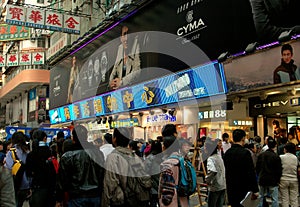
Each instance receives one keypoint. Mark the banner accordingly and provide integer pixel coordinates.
(199, 82)
(42, 19)
(12, 32)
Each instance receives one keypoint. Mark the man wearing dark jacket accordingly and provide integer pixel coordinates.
(287, 71)
(269, 172)
(239, 170)
(80, 172)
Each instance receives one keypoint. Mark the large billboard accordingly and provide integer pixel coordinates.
(131, 52)
(277, 65)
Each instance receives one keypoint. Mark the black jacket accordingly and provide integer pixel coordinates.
(240, 173)
(269, 168)
(81, 174)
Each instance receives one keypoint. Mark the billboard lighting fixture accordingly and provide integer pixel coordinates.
(99, 35)
(285, 36)
(251, 47)
(223, 57)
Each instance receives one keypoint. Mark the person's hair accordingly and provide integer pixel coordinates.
(18, 138)
(171, 144)
(238, 135)
(249, 146)
(39, 135)
(133, 145)
(225, 135)
(286, 47)
(271, 142)
(290, 147)
(257, 139)
(122, 135)
(275, 122)
(31, 132)
(156, 147)
(67, 145)
(283, 140)
(53, 150)
(60, 134)
(108, 138)
(159, 138)
(79, 131)
(168, 130)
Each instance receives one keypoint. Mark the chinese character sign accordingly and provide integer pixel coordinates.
(13, 32)
(12, 60)
(2, 60)
(72, 24)
(38, 58)
(35, 18)
(15, 15)
(25, 59)
(54, 21)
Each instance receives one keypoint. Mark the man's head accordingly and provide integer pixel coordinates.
(39, 135)
(124, 37)
(239, 136)
(108, 138)
(271, 143)
(79, 132)
(169, 130)
(290, 148)
(60, 134)
(225, 137)
(121, 137)
(170, 143)
(287, 53)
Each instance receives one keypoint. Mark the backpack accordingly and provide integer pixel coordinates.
(187, 182)
(138, 185)
(18, 169)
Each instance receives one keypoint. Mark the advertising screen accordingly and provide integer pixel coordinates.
(264, 68)
(164, 37)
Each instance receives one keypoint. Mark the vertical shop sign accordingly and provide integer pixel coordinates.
(2, 60)
(15, 15)
(54, 21)
(38, 58)
(25, 58)
(35, 18)
(12, 60)
(71, 24)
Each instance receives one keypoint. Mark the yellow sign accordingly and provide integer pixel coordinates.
(148, 95)
(128, 98)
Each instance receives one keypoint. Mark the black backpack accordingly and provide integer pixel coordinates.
(139, 183)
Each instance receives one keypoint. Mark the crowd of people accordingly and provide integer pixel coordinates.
(74, 172)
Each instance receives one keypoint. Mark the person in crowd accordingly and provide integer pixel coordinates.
(292, 138)
(215, 178)
(266, 147)
(67, 145)
(117, 169)
(269, 170)
(185, 147)
(159, 138)
(133, 145)
(7, 192)
(169, 178)
(225, 144)
(152, 166)
(2, 153)
(20, 150)
(43, 176)
(107, 148)
(288, 185)
(81, 173)
(169, 130)
(220, 150)
(283, 141)
(287, 71)
(252, 149)
(257, 142)
(60, 138)
(239, 171)
(98, 142)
